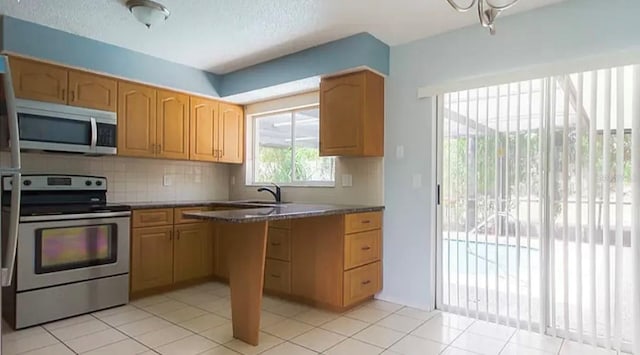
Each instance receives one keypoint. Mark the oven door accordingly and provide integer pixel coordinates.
(54, 252)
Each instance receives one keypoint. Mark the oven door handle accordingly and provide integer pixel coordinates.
(66, 217)
(94, 134)
(9, 261)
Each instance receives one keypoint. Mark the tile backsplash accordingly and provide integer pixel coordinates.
(135, 179)
(367, 185)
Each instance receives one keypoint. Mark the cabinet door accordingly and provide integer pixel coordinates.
(204, 118)
(172, 125)
(151, 257)
(136, 120)
(39, 81)
(342, 114)
(230, 134)
(92, 91)
(192, 252)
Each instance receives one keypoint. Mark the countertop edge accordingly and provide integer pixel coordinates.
(213, 215)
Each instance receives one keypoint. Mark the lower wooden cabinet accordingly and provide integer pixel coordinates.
(192, 252)
(332, 266)
(362, 283)
(277, 276)
(151, 257)
(165, 255)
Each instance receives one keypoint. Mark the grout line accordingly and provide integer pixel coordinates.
(62, 342)
(121, 332)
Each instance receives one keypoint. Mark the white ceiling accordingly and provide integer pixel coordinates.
(225, 35)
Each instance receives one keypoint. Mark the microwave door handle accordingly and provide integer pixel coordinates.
(12, 115)
(94, 134)
(9, 261)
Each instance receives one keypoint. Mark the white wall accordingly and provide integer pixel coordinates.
(580, 33)
(137, 180)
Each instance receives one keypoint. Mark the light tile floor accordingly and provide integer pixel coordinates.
(197, 321)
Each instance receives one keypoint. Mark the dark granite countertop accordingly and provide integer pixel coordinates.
(284, 211)
(171, 204)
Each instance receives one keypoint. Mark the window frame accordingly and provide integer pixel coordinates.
(251, 168)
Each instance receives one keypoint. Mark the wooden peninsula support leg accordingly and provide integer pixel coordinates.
(247, 251)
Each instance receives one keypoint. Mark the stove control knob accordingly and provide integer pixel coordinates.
(27, 183)
(88, 182)
(98, 183)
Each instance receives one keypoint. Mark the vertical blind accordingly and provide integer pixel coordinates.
(540, 205)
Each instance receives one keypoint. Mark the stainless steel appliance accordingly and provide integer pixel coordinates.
(72, 250)
(9, 138)
(62, 128)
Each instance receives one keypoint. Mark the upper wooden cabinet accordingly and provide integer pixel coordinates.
(172, 125)
(92, 91)
(152, 122)
(44, 82)
(352, 115)
(204, 118)
(136, 120)
(217, 131)
(39, 81)
(230, 134)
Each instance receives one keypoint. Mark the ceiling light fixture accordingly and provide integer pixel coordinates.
(488, 10)
(150, 13)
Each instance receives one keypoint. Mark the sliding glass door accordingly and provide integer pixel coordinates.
(536, 205)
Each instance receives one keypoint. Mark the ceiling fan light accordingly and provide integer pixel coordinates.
(148, 12)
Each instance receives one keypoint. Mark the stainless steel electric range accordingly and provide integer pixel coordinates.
(72, 250)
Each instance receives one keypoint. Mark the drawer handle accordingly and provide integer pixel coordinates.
(366, 221)
(366, 282)
(275, 276)
(276, 244)
(366, 248)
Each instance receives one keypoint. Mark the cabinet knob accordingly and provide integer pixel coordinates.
(275, 276)
(275, 244)
(366, 248)
(366, 282)
(366, 221)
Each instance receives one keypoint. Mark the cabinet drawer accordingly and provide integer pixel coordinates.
(277, 276)
(152, 217)
(278, 244)
(361, 283)
(361, 248)
(360, 222)
(179, 218)
(282, 223)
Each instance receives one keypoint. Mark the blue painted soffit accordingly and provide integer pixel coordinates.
(360, 50)
(42, 42)
(34, 40)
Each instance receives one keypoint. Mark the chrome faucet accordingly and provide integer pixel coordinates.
(275, 192)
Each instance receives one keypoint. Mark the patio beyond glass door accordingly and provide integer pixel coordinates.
(536, 205)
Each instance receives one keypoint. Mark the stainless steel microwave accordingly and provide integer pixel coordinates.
(60, 128)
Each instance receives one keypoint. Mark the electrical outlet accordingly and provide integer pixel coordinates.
(347, 180)
(166, 180)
